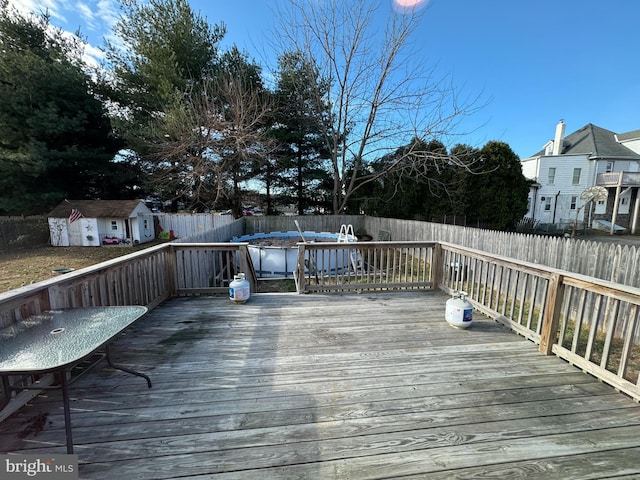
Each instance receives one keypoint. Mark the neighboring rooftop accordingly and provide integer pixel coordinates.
(632, 135)
(596, 141)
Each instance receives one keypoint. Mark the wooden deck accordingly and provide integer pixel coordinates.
(355, 386)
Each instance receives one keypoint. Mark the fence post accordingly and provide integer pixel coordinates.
(247, 267)
(551, 317)
(172, 270)
(298, 274)
(436, 266)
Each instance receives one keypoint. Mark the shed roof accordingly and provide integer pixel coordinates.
(96, 208)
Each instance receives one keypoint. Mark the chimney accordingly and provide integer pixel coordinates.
(559, 138)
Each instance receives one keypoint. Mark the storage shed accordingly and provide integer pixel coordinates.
(91, 223)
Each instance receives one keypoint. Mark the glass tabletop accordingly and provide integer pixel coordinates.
(59, 338)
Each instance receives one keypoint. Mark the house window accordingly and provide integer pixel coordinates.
(114, 225)
(576, 176)
(552, 175)
(574, 200)
(547, 204)
(145, 224)
(609, 167)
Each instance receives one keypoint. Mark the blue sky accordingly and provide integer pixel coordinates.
(532, 62)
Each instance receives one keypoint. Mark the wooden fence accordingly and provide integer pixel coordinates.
(140, 278)
(18, 232)
(209, 268)
(188, 225)
(589, 322)
(226, 227)
(147, 278)
(603, 260)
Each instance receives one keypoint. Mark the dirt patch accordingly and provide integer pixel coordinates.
(276, 285)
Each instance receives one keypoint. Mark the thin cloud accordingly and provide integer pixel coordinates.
(108, 11)
(55, 8)
(87, 15)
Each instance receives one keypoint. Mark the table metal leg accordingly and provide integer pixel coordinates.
(6, 392)
(67, 410)
(124, 369)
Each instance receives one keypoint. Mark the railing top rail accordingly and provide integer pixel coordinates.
(348, 245)
(611, 289)
(219, 245)
(570, 278)
(540, 270)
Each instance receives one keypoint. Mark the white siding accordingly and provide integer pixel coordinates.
(530, 168)
(557, 196)
(142, 229)
(633, 145)
(90, 235)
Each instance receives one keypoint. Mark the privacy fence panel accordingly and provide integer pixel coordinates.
(606, 261)
(187, 225)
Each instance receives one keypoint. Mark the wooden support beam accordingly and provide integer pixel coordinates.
(551, 317)
(436, 267)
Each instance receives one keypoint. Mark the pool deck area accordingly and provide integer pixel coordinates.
(340, 386)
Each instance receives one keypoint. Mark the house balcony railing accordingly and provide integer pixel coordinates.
(614, 179)
(591, 323)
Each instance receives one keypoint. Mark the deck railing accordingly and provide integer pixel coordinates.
(141, 278)
(589, 322)
(208, 268)
(359, 266)
(147, 278)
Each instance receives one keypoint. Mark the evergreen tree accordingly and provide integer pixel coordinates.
(164, 55)
(298, 129)
(500, 193)
(56, 140)
(419, 191)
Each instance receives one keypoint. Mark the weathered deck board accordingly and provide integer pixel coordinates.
(313, 387)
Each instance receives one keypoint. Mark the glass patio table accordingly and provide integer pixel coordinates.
(57, 340)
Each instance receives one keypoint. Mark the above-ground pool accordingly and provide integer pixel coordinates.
(275, 254)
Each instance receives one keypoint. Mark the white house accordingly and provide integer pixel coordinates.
(569, 165)
(92, 223)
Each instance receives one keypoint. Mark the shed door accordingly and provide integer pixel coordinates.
(75, 233)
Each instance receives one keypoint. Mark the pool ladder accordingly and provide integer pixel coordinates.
(346, 232)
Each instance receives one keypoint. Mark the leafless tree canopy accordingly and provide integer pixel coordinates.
(381, 96)
(208, 138)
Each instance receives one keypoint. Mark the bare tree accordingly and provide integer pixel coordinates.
(379, 97)
(209, 139)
